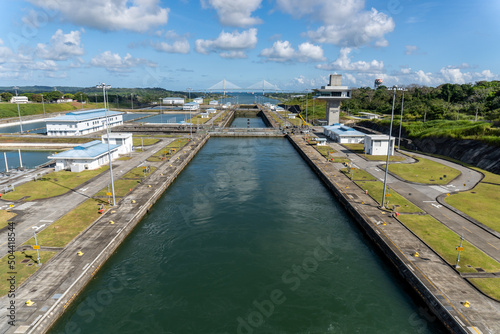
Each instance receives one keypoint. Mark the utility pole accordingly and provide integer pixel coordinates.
(394, 88)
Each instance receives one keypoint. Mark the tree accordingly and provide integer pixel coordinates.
(36, 98)
(6, 96)
(53, 96)
(79, 96)
(68, 96)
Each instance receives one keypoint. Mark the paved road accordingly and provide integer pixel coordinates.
(45, 212)
(424, 196)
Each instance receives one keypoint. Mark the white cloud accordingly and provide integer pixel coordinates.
(6, 53)
(345, 22)
(410, 49)
(359, 30)
(233, 55)
(343, 63)
(452, 75)
(181, 46)
(113, 62)
(62, 46)
(234, 41)
(424, 78)
(235, 13)
(282, 51)
(110, 15)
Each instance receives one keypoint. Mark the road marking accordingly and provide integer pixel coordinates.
(459, 321)
(84, 189)
(436, 205)
(85, 267)
(492, 246)
(466, 229)
(46, 221)
(429, 201)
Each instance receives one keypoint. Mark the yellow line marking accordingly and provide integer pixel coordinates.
(492, 246)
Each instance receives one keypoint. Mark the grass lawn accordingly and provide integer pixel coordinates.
(175, 146)
(488, 176)
(124, 158)
(360, 150)
(65, 229)
(23, 271)
(198, 120)
(10, 109)
(325, 151)
(481, 203)
(52, 184)
(489, 286)
(138, 142)
(4, 216)
(375, 190)
(124, 185)
(358, 174)
(444, 241)
(425, 171)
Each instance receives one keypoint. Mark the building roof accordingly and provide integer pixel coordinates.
(90, 150)
(191, 103)
(342, 130)
(173, 98)
(117, 135)
(380, 137)
(84, 115)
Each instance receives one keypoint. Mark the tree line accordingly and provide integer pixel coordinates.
(448, 101)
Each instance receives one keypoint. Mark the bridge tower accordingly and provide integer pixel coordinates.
(334, 93)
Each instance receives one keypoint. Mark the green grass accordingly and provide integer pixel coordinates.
(480, 203)
(325, 151)
(65, 229)
(375, 190)
(360, 149)
(444, 241)
(52, 184)
(358, 174)
(489, 286)
(23, 272)
(425, 171)
(4, 217)
(173, 148)
(125, 184)
(138, 142)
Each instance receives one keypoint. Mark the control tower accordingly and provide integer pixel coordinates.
(334, 94)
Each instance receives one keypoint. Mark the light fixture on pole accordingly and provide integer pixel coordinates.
(307, 97)
(161, 112)
(37, 247)
(19, 111)
(43, 106)
(401, 119)
(104, 88)
(394, 88)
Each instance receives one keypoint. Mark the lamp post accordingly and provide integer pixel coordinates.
(394, 88)
(95, 99)
(36, 228)
(43, 106)
(401, 119)
(81, 100)
(104, 87)
(161, 112)
(132, 100)
(19, 111)
(314, 100)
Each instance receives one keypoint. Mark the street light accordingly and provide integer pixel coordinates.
(104, 87)
(36, 228)
(43, 106)
(161, 112)
(19, 111)
(307, 92)
(401, 120)
(394, 88)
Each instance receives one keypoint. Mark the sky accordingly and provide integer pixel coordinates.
(292, 45)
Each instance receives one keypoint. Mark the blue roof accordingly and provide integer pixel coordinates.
(84, 115)
(343, 130)
(88, 150)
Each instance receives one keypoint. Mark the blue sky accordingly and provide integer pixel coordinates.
(293, 44)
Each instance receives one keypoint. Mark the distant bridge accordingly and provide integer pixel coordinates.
(225, 85)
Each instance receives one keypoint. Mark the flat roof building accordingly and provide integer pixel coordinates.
(19, 99)
(91, 155)
(343, 134)
(123, 140)
(378, 144)
(173, 100)
(213, 103)
(198, 100)
(77, 123)
(191, 106)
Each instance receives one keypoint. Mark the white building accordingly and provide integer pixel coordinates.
(204, 115)
(173, 100)
(211, 110)
(191, 106)
(378, 144)
(19, 99)
(343, 134)
(90, 155)
(291, 116)
(77, 123)
(65, 100)
(124, 140)
(213, 103)
(320, 141)
(198, 100)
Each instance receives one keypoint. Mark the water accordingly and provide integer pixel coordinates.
(248, 122)
(26, 127)
(166, 118)
(30, 159)
(129, 117)
(246, 240)
(166, 108)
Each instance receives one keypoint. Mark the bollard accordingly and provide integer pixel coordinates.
(80, 253)
(29, 302)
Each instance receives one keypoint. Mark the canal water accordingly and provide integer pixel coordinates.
(30, 159)
(33, 127)
(246, 240)
(248, 121)
(166, 118)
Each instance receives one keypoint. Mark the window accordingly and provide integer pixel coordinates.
(377, 143)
